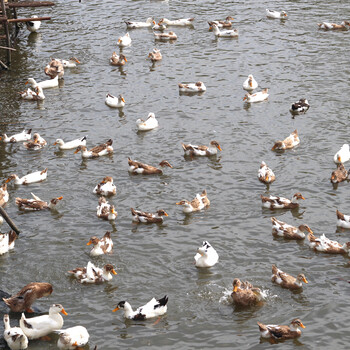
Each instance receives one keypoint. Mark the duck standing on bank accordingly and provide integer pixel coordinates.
(14, 336)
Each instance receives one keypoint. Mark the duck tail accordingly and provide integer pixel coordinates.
(163, 301)
(262, 327)
(274, 269)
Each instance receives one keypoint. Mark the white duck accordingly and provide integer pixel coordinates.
(33, 26)
(343, 220)
(37, 176)
(14, 336)
(165, 36)
(22, 136)
(97, 151)
(150, 123)
(192, 87)
(159, 26)
(124, 40)
(70, 144)
(4, 195)
(105, 211)
(276, 14)
(115, 102)
(7, 241)
(257, 97)
(101, 246)
(93, 274)
(33, 95)
(106, 187)
(133, 25)
(177, 22)
(51, 83)
(206, 256)
(40, 326)
(72, 338)
(250, 84)
(152, 309)
(71, 63)
(265, 174)
(343, 155)
(326, 25)
(231, 33)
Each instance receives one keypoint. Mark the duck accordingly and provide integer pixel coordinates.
(178, 22)
(70, 144)
(133, 25)
(343, 155)
(333, 26)
(148, 218)
(7, 241)
(276, 14)
(40, 326)
(165, 36)
(33, 26)
(244, 294)
(232, 33)
(14, 336)
(291, 141)
(102, 245)
(37, 176)
(23, 300)
(192, 87)
(38, 142)
(300, 107)
(54, 68)
(274, 202)
(93, 274)
(117, 60)
(115, 102)
(201, 151)
(281, 229)
(281, 332)
(106, 187)
(72, 338)
(340, 174)
(150, 123)
(33, 95)
(257, 97)
(152, 309)
(25, 135)
(159, 26)
(36, 203)
(200, 202)
(250, 84)
(46, 84)
(4, 195)
(155, 55)
(343, 220)
(136, 167)
(206, 256)
(265, 174)
(124, 40)
(325, 245)
(97, 151)
(287, 281)
(105, 210)
(70, 63)
(222, 24)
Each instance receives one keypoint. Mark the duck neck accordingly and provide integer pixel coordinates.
(18, 181)
(106, 275)
(7, 323)
(128, 311)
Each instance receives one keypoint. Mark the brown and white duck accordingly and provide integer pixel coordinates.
(148, 218)
(102, 245)
(93, 274)
(265, 174)
(54, 68)
(37, 142)
(200, 202)
(221, 24)
(136, 167)
(334, 26)
(155, 55)
(244, 294)
(165, 36)
(7, 241)
(275, 202)
(340, 174)
(281, 332)
(36, 203)
(106, 187)
(97, 151)
(4, 195)
(325, 245)
(343, 220)
(105, 210)
(23, 300)
(291, 141)
(117, 60)
(194, 150)
(287, 281)
(282, 229)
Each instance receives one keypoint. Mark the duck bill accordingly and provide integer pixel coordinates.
(166, 214)
(305, 280)
(339, 159)
(114, 272)
(123, 97)
(76, 151)
(8, 180)
(178, 203)
(88, 243)
(55, 143)
(64, 312)
(219, 148)
(27, 82)
(302, 198)
(59, 198)
(244, 98)
(301, 325)
(235, 289)
(125, 59)
(116, 309)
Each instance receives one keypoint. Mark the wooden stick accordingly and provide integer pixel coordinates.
(15, 20)
(7, 48)
(7, 32)
(30, 4)
(9, 221)
(3, 64)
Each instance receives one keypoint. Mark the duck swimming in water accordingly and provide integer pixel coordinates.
(275, 202)
(206, 256)
(281, 332)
